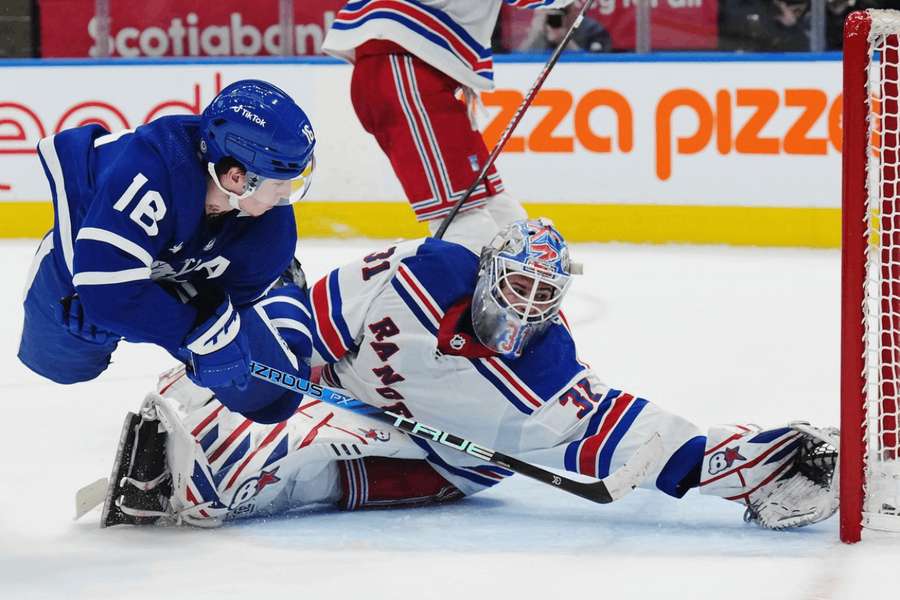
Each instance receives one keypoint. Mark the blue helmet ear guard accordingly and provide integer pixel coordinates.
(261, 127)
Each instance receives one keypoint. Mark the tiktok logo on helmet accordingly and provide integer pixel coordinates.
(250, 116)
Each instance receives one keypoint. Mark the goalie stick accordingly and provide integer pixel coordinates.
(520, 112)
(613, 487)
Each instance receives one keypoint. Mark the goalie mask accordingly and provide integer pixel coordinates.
(522, 278)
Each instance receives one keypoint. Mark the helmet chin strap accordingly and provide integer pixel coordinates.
(234, 200)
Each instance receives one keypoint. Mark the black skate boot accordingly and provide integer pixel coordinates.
(140, 485)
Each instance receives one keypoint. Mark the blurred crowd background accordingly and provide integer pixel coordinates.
(160, 28)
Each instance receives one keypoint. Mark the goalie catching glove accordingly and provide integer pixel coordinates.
(786, 477)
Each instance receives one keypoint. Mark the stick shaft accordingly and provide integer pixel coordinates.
(504, 137)
(626, 478)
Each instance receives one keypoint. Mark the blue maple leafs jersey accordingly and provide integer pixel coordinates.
(134, 236)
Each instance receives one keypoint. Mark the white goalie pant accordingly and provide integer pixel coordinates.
(225, 466)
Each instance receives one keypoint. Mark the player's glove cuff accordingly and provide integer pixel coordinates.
(217, 352)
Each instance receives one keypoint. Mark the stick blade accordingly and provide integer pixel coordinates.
(645, 460)
(90, 497)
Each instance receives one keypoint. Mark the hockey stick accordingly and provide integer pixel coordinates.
(520, 112)
(611, 488)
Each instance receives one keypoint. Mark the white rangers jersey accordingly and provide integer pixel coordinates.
(395, 332)
(453, 36)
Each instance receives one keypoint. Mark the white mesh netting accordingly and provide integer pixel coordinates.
(882, 294)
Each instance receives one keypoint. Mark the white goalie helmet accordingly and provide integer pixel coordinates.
(523, 275)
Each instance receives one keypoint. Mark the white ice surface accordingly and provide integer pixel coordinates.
(715, 334)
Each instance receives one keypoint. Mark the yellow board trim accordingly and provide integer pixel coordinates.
(647, 223)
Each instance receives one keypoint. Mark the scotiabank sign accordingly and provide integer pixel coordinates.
(158, 28)
(183, 27)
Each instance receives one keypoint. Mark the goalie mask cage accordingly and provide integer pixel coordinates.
(870, 287)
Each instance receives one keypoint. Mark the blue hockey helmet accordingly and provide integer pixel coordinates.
(261, 127)
(523, 276)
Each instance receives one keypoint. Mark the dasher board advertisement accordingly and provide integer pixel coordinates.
(686, 135)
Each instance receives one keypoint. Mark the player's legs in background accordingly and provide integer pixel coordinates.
(505, 209)
(46, 347)
(424, 129)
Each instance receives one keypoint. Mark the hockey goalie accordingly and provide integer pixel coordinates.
(475, 345)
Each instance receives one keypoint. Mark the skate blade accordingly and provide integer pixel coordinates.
(90, 497)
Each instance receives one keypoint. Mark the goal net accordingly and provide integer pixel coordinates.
(870, 321)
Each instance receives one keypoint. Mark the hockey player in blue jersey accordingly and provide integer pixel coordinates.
(161, 232)
(476, 347)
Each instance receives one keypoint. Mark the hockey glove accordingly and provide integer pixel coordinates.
(216, 352)
(786, 477)
(70, 313)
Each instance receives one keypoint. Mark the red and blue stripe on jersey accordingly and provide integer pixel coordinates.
(333, 339)
(592, 455)
(430, 23)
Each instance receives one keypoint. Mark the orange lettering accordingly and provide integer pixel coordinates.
(835, 116)
(723, 121)
(748, 140)
(686, 145)
(624, 118)
(796, 140)
(508, 101)
(542, 138)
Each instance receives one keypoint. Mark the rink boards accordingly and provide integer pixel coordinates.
(675, 148)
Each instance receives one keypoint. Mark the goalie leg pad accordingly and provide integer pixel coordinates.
(787, 477)
(174, 384)
(225, 467)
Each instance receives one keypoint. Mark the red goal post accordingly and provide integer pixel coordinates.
(870, 286)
